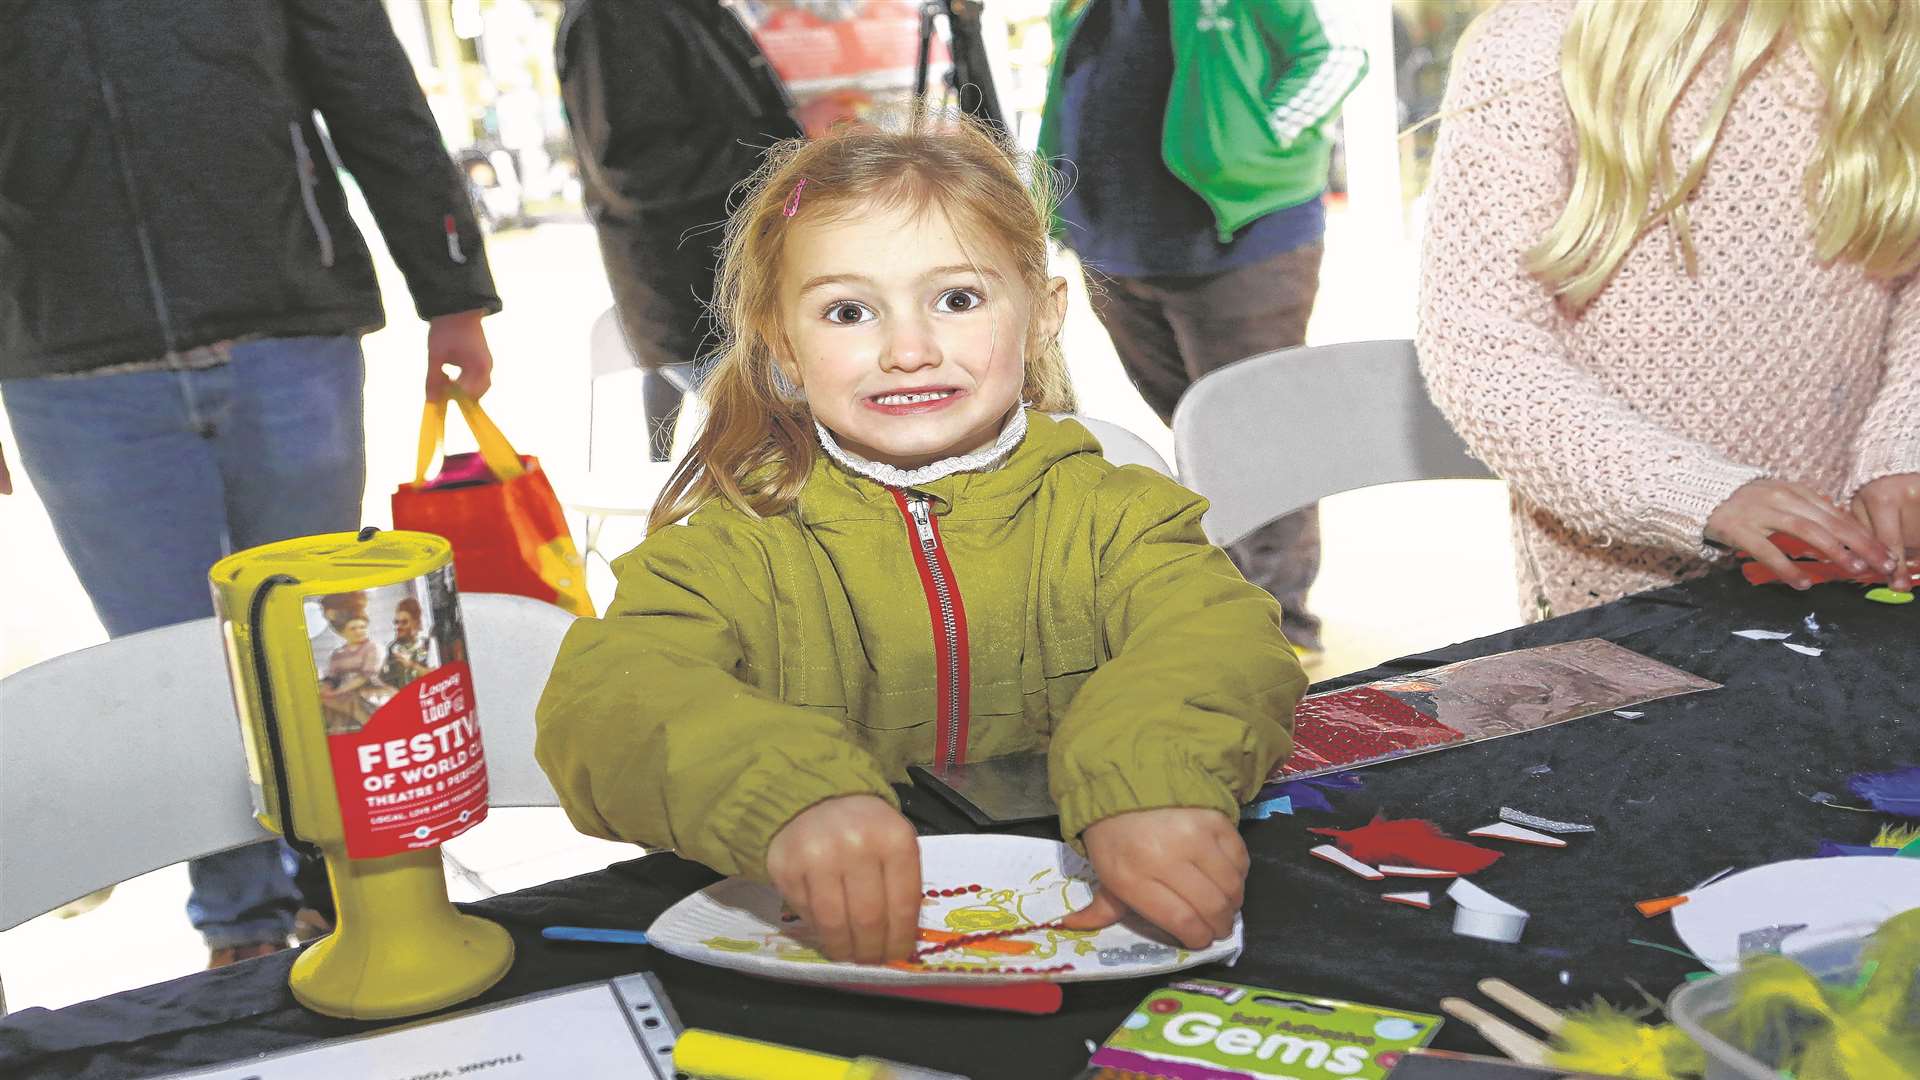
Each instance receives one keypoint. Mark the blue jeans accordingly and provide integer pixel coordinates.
(150, 477)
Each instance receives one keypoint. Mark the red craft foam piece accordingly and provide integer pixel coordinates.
(1410, 841)
(1808, 560)
(1818, 572)
(1792, 546)
(1035, 998)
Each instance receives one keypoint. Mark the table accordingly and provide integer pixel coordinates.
(1698, 783)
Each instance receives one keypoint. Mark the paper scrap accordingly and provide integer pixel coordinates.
(1518, 834)
(1711, 878)
(1834, 849)
(1767, 939)
(1534, 821)
(1812, 624)
(1416, 871)
(1660, 905)
(1483, 915)
(1471, 896)
(1261, 811)
(1345, 862)
(1344, 781)
(1300, 795)
(1804, 650)
(1762, 635)
(1422, 900)
(1627, 714)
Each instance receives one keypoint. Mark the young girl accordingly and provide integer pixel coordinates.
(894, 555)
(1669, 288)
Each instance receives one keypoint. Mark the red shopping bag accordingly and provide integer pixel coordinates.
(507, 530)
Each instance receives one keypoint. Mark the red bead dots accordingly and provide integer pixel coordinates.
(949, 969)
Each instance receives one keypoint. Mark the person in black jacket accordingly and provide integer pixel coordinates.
(671, 104)
(182, 294)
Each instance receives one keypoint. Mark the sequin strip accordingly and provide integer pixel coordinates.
(1533, 821)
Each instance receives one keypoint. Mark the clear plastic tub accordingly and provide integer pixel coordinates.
(1833, 957)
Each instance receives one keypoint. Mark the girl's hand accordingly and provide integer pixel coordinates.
(851, 867)
(1760, 508)
(1890, 506)
(1182, 869)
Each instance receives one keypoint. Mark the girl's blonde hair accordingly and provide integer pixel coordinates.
(758, 442)
(1624, 66)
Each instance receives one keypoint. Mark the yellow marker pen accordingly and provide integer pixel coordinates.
(713, 1056)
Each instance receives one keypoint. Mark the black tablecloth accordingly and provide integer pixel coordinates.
(1698, 783)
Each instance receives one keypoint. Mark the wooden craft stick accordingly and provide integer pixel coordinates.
(1524, 1005)
(1508, 1039)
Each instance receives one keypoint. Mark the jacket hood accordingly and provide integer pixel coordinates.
(832, 493)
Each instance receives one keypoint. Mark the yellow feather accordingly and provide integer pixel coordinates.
(1863, 1030)
(1897, 836)
(1613, 1042)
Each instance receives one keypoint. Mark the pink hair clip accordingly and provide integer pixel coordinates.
(793, 201)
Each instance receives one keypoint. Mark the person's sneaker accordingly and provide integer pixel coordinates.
(232, 954)
(309, 924)
(1305, 641)
(85, 904)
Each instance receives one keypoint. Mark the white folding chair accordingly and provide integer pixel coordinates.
(631, 489)
(126, 757)
(511, 641)
(1120, 446)
(1276, 432)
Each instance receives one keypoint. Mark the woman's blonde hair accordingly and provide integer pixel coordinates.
(1625, 65)
(758, 442)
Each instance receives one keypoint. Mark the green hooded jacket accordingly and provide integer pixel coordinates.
(749, 668)
(1255, 84)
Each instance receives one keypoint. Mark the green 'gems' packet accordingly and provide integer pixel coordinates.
(1199, 1029)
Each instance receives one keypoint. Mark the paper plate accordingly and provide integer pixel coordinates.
(1825, 894)
(1023, 881)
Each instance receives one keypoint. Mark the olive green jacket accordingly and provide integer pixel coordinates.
(749, 668)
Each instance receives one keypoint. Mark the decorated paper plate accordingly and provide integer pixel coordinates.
(1769, 905)
(985, 921)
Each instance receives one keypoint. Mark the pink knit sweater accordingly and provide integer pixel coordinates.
(1622, 426)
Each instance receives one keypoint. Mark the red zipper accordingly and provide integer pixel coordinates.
(949, 619)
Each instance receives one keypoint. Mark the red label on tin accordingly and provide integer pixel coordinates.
(413, 775)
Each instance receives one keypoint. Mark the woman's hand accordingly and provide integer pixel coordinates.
(1182, 869)
(1760, 508)
(851, 867)
(1890, 506)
